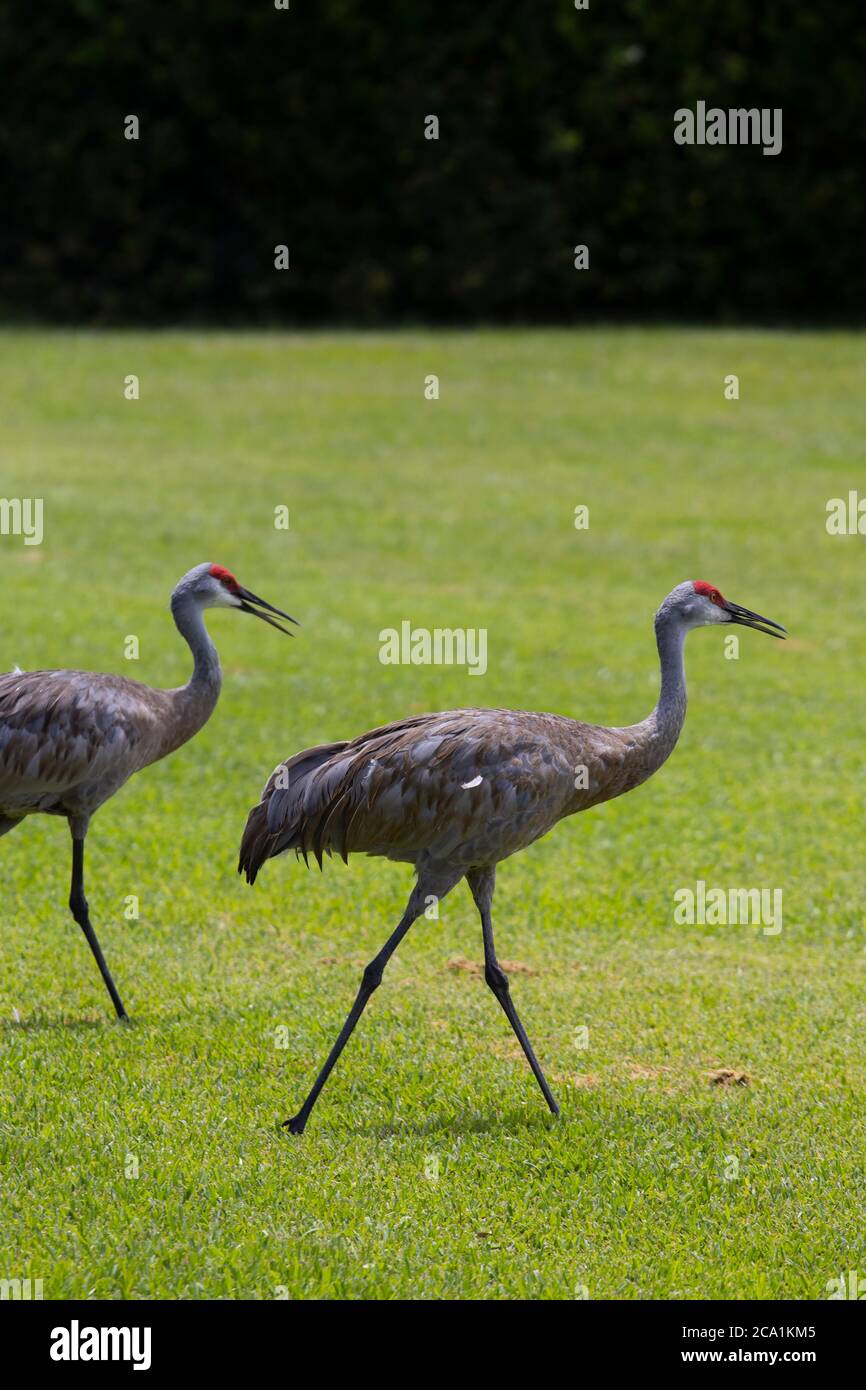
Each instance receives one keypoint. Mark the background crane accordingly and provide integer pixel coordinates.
(70, 739)
(455, 793)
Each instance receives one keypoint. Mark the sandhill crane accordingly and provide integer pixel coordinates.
(455, 793)
(70, 739)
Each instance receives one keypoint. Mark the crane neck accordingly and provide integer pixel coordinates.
(202, 689)
(670, 712)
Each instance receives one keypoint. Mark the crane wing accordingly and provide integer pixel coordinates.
(466, 784)
(60, 730)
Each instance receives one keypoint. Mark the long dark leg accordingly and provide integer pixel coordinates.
(482, 883)
(78, 908)
(436, 886)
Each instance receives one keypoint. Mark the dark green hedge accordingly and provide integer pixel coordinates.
(260, 126)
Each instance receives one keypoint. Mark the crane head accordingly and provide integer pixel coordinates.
(699, 604)
(214, 586)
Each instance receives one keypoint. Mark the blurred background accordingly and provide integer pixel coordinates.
(305, 127)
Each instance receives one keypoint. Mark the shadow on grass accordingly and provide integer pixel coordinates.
(141, 1018)
(464, 1122)
(54, 1024)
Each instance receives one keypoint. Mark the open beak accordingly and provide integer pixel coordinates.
(251, 604)
(746, 618)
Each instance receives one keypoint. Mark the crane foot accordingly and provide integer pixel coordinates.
(295, 1125)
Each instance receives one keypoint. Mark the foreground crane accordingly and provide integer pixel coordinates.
(455, 793)
(70, 739)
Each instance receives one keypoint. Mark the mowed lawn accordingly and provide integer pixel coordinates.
(147, 1161)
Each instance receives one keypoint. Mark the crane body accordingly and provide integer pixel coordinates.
(457, 792)
(70, 739)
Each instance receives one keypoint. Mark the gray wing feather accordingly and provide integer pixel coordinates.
(63, 730)
(472, 783)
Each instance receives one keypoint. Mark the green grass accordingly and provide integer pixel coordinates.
(457, 512)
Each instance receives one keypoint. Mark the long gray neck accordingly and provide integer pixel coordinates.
(636, 751)
(195, 701)
(669, 714)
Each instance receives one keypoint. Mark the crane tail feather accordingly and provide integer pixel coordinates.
(295, 803)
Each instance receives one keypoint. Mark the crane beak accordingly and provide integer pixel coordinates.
(746, 618)
(250, 603)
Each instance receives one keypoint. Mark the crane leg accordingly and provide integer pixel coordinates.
(482, 883)
(78, 908)
(428, 885)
